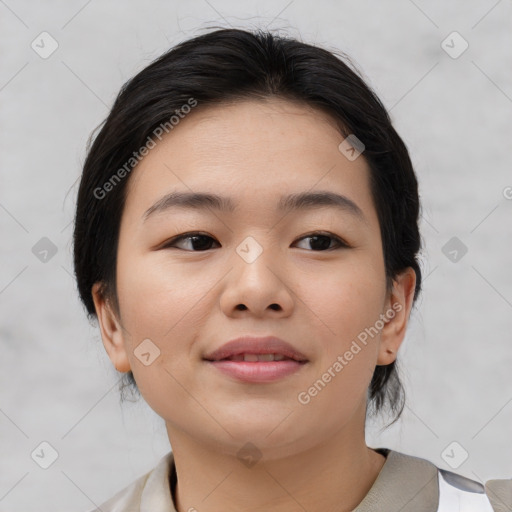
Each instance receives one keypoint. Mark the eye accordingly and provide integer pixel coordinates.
(199, 241)
(202, 242)
(322, 241)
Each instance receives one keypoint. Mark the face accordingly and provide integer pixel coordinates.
(191, 278)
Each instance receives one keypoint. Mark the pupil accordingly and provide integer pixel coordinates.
(200, 237)
(324, 245)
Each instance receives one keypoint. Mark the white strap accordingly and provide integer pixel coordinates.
(453, 499)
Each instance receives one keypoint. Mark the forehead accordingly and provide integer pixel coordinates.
(274, 125)
(247, 148)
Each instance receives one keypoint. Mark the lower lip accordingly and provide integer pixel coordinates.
(261, 371)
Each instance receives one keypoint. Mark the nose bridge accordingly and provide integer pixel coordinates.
(257, 282)
(257, 260)
(250, 250)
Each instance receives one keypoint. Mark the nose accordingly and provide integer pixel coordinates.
(257, 285)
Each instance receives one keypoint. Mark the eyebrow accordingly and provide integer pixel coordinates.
(292, 202)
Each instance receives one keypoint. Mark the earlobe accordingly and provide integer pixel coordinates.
(111, 331)
(398, 308)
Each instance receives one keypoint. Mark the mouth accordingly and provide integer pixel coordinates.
(256, 358)
(253, 359)
(249, 348)
(257, 368)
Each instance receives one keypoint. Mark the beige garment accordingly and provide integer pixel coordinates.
(404, 484)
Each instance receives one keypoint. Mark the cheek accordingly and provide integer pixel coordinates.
(347, 299)
(163, 305)
(158, 299)
(170, 307)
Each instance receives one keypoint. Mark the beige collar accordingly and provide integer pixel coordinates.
(405, 483)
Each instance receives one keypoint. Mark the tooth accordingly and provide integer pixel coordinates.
(253, 358)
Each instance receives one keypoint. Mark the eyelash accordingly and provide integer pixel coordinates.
(341, 243)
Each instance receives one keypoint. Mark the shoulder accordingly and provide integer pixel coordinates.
(457, 492)
(151, 489)
(126, 500)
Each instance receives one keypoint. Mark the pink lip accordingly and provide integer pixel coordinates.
(258, 371)
(253, 345)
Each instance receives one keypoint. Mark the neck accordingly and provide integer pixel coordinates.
(333, 475)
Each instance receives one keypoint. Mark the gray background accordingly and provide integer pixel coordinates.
(56, 383)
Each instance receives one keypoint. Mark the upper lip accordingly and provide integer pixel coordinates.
(255, 345)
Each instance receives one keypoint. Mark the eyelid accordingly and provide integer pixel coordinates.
(183, 236)
(341, 241)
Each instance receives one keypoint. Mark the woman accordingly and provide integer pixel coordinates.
(262, 349)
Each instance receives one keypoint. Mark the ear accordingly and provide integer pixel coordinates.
(397, 310)
(111, 331)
